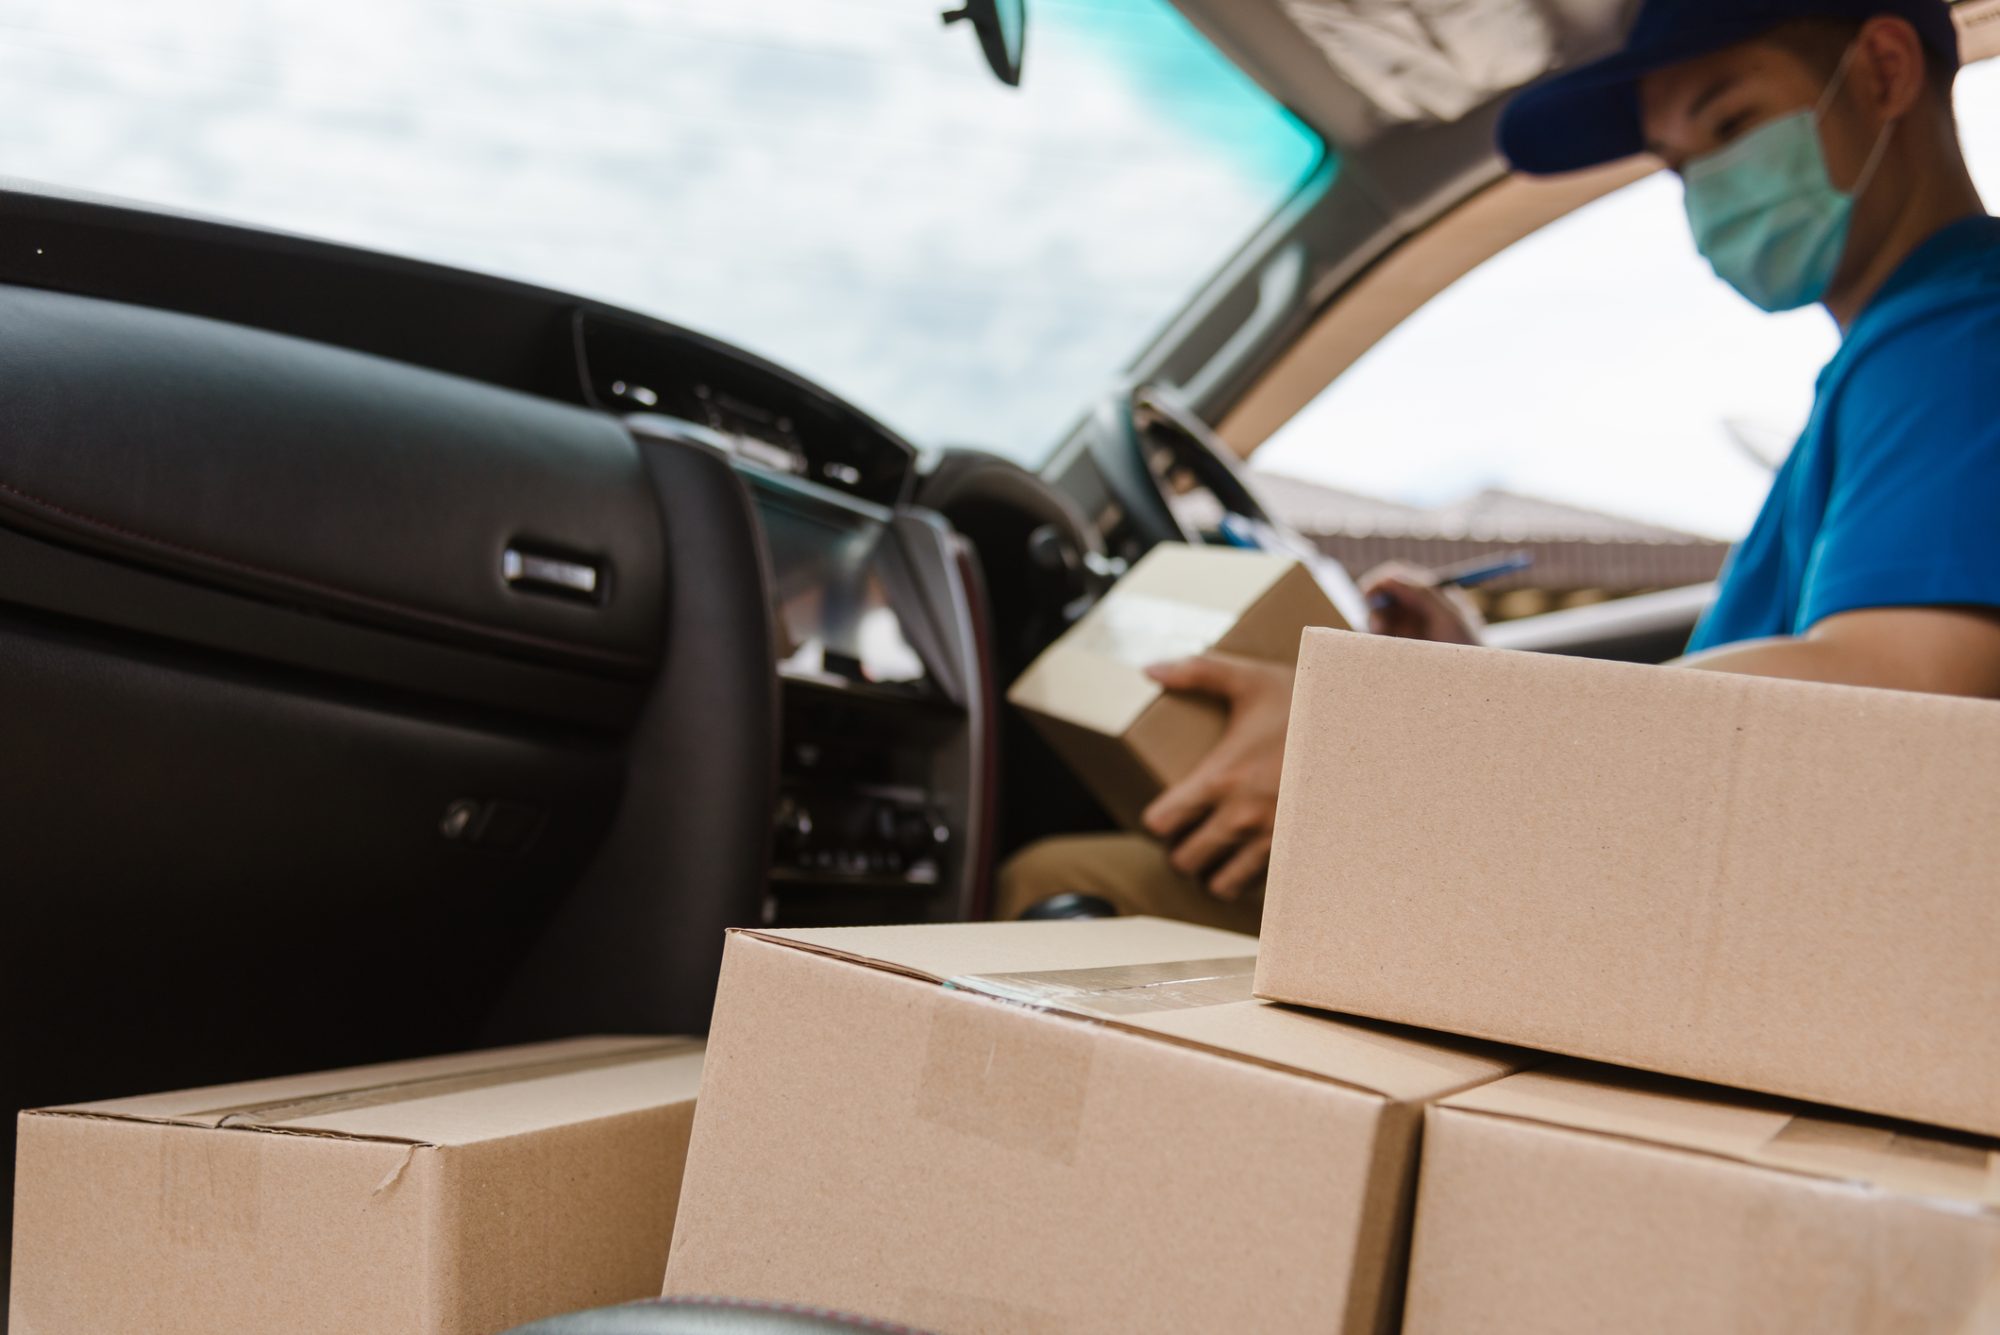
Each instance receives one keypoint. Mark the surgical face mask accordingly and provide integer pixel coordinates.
(1767, 216)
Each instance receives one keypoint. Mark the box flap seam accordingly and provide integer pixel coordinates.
(1859, 1186)
(255, 1128)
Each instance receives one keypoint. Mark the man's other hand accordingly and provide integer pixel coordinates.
(1406, 602)
(1218, 820)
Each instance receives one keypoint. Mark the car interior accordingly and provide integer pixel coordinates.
(400, 658)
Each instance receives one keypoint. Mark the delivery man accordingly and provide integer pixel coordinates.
(1820, 155)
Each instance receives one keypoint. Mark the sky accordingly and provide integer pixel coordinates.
(1598, 362)
(839, 185)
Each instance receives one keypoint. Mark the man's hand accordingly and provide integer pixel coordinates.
(1219, 819)
(1414, 608)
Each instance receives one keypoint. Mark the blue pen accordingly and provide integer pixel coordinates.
(1235, 531)
(1467, 574)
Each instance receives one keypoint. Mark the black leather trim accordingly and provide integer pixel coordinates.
(323, 478)
(636, 946)
(82, 587)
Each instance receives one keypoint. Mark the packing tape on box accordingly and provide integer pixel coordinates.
(1983, 1317)
(1952, 1171)
(1851, 1267)
(1123, 990)
(1139, 630)
(424, 1087)
(1023, 1087)
(1881, 1161)
(987, 1075)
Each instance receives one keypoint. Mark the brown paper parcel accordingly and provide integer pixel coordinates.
(1574, 1200)
(456, 1195)
(1768, 884)
(1091, 1127)
(1089, 696)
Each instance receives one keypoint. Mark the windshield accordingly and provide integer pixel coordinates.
(838, 185)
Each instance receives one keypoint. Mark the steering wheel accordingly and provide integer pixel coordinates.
(1151, 439)
(1146, 438)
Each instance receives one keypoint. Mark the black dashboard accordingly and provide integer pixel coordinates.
(498, 331)
(766, 417)
(881, 700)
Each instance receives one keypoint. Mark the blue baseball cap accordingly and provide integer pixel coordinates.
(1590, 115)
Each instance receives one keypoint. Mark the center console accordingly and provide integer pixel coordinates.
(887, 715)
(881, 815)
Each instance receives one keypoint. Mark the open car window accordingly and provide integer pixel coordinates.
(1599, 364)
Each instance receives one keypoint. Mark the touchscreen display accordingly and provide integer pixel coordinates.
(832, 598)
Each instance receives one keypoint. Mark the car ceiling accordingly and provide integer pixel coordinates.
(1356, 68)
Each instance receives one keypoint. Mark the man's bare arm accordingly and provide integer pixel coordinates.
(1942, 651)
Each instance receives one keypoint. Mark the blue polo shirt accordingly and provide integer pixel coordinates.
(1892, 496)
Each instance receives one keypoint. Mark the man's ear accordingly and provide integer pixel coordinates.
(1893, 74)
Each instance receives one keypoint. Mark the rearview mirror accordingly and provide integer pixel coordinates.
(1002, 26)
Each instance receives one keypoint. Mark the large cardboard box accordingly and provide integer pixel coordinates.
(456, 1196)
(1031, 1128)
(1577, 1200)
(1089, 696)
(1767, 884)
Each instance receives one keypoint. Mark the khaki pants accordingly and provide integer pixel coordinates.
(1129, 870)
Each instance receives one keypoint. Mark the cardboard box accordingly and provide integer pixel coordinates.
(1089, 696)
(1767, 884)
(454, 1196)
(1576, 1200)
(1090, 1127)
